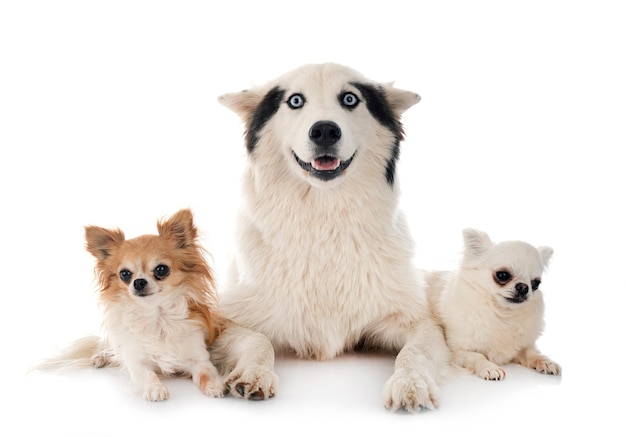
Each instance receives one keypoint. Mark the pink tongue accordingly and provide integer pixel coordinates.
(325, 163)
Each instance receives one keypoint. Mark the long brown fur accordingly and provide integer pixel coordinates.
(182, 234)
(159, 299)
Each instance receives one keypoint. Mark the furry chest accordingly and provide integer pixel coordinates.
(161, 335)
(320, 306)
(502, 338)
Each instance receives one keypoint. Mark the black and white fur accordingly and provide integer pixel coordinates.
(323, 262)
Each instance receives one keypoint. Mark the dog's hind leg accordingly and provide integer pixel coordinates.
(247, 359)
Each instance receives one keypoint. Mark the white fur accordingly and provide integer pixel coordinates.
(323, 265)
(146, 337)
(151, 336)
(483, 329)
(152, 330)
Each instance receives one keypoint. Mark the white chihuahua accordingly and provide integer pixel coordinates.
(491, 308)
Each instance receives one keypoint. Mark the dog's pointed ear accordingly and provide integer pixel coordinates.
(243, 103)
(476, 242)
(546, 253)
(101, 242)
(180, 228)
(400, 100)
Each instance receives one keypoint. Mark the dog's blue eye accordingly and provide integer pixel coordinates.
(161, 271)
(125, 275)
(535, 284)
(296, 101)
(349, 100)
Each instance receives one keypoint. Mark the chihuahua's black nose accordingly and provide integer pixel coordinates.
(141, 283)
(521, 289)
(325, 133)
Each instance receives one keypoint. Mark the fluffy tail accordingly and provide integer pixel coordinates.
(90, 351)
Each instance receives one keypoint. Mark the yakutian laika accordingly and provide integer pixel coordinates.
(324, 256)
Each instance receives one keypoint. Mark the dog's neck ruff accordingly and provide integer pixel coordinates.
(324, 167)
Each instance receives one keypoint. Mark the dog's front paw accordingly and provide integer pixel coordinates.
(410, 392)
(210, 383)
(547, 366)
(254, 383)
(492, 373)
(156, 392)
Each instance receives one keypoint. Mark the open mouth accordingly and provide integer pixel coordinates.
(325, 167)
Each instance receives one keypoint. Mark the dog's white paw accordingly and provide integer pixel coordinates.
(410, 392)
(545, 365)
(156, 392)
(210, 384)
(492, 373)
(253, 382)
(102, 359)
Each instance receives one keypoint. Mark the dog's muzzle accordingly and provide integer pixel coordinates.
(140, 287)
(326, 165)
(521, 293)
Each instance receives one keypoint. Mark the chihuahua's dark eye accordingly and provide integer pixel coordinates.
(348, 100)
(296, 101)
(161, 271)
(502, 277)
(535, 284)
(125, 275)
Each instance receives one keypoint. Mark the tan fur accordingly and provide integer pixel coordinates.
(154, 323)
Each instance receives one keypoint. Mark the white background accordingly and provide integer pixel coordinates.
(109, 116)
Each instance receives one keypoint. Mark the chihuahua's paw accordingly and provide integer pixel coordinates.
(492, 373)
(101, 359)
(156, 392)
(410, 392)
(254, 383)
(210, 383)
(547, 366)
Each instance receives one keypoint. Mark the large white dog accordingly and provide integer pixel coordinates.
(324, 261)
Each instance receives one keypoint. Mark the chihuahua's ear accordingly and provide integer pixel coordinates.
(101, 242)
(546, 253)
(180, 228)
(476, 242)
(400, 100)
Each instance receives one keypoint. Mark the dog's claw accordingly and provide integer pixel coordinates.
(255, 383)
(257, 396)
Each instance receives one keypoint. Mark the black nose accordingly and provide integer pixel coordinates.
(325, 133)
(140, 284)
(521, 289)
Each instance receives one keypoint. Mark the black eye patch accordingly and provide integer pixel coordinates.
(377, 104)
(262, 114)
